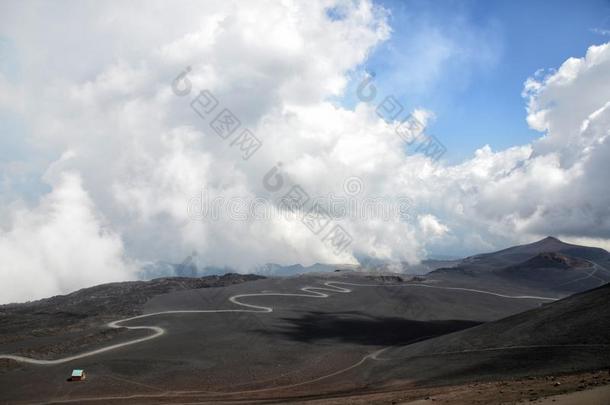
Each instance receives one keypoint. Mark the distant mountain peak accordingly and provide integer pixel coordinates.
(549, 243)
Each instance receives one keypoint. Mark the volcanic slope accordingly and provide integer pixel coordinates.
(317, 329)
(565, 336)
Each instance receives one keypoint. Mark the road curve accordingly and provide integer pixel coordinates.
(310, 292)
(519, 297)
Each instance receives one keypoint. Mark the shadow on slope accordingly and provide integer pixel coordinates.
(582, 318)
(569, 335)
(358, 328)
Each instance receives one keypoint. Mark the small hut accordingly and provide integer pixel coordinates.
(77, 375)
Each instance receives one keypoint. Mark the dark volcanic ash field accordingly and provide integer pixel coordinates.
(303, 336)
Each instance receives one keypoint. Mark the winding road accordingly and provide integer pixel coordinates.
(309, 292)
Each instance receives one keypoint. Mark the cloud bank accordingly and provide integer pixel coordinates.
(113, 156)
(59, 246)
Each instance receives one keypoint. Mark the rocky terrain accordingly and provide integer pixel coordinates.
(32, 328)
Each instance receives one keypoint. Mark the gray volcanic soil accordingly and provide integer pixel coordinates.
(566, 336)
(317, 346)
(73, 323)
(303, 339)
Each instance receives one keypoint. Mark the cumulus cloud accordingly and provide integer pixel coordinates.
(431, 227)
(58, 246)
(572, 107)
(555, 186)
(141, 153)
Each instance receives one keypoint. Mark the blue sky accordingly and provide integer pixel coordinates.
(467, 62)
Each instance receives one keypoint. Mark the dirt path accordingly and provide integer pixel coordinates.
(312, 292)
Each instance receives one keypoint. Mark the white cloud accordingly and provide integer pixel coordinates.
(576, 104)
(431, 227)
(142, 153)
(60, 245)
(561, 101)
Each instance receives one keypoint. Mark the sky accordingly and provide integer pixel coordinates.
(477, 56)
(133, 134)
